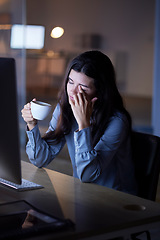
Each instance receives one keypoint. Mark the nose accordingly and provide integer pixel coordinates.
(74, 89)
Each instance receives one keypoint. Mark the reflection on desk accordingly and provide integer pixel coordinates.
(98, 212)
(19, 219)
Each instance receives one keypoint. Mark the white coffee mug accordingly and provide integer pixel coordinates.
(40, 110)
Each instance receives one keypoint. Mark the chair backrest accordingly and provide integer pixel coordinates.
(146, 156)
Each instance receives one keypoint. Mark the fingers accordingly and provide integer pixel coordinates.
(34, 99)
(93, 101)
(27, 106)
(78, 99)
(27, 114)
(82, 96)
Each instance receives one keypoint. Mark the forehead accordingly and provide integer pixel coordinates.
(81, 78)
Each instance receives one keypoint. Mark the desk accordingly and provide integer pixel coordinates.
(98, 212)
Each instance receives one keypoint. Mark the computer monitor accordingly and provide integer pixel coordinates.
(10, 162)
(10, 168)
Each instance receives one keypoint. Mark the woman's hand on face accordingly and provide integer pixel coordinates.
(82, 108)
(27, 116)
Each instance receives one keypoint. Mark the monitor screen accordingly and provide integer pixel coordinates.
(27, 36)
(10, 164)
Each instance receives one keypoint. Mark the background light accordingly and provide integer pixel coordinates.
(27, 36)
(57, 32)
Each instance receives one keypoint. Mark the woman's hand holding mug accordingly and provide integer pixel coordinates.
(28, 117)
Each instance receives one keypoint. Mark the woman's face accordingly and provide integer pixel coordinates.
(77, 79)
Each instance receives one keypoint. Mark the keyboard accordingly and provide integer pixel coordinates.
(25, 185)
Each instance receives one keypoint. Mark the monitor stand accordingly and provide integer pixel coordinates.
(25, 185)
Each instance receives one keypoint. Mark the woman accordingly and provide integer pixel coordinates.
(91, 118)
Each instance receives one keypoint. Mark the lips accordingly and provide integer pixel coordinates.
(71, 97)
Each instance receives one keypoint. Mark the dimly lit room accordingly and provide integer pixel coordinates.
(40, 41)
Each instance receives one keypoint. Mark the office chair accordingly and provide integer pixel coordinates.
(146, 156)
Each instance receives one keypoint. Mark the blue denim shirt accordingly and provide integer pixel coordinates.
(109, 163)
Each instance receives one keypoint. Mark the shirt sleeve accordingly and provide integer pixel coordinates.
(92, 161)
(41, 152)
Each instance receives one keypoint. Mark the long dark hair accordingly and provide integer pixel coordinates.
(98, 66)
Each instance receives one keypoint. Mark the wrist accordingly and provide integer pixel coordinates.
(32, 125)
(84, 125)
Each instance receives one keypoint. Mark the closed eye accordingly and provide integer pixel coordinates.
(84, 90)
(70, 81)
(84, 87)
